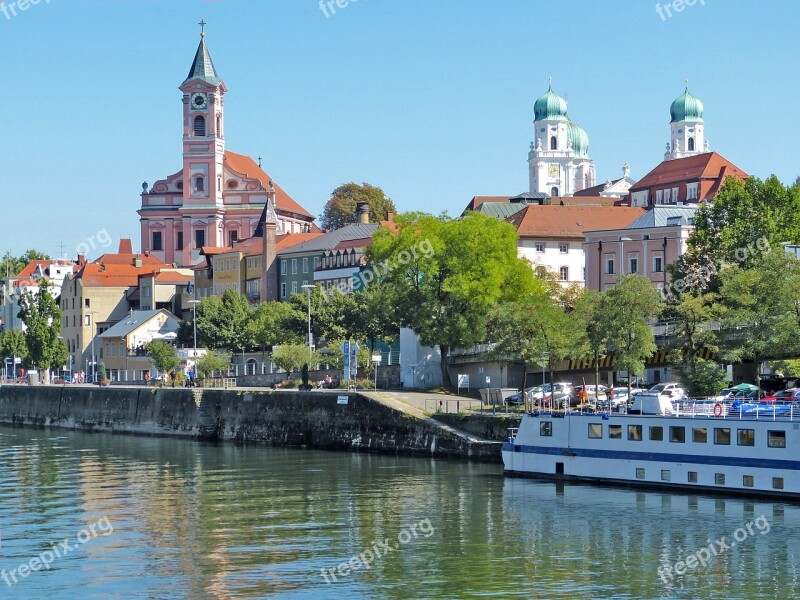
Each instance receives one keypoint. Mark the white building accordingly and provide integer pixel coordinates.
(559, 163)
(53, 271)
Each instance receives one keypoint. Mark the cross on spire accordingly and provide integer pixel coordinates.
(202, 24)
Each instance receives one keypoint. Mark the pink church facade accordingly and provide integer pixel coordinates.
(217, 198)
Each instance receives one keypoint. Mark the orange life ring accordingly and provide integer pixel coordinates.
(718, 410)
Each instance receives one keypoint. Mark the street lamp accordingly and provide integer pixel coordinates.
(622, 241)
(194, 304)
(308, 287)
(93, 331)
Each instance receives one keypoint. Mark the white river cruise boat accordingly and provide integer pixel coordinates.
(750, 449)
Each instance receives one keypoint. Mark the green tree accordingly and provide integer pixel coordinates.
(340, 210)
(745, 221)
(372, 316)
(271, 324)
(292, 357)
(690, 319)
(447, 275)
(329, 314)
(42, 318)
(758, 311)
(592, 337)
(629, 308)
(164, 356)
(226, 322)
(536, 330)
(12, 343)
(213, 361)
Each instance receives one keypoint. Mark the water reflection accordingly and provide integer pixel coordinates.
(220, 521)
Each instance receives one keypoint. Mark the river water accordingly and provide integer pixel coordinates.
(104, 516)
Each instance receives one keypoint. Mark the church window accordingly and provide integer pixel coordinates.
(232, 184)
(199, 238)
(233, 237)
(199, 126)
(219, 183)
(691, 144)
(219, 126)
(553, 143)
(554, 192)
(199, 184)
(157, 241)
(179, 240)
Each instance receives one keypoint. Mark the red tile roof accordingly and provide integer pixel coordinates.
(249, 168)
(255, 246)
(571, 221)
(708, 166)
(96, 274)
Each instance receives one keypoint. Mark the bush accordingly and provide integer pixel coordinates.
(365, 384)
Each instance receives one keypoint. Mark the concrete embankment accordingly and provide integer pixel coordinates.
(318, 419)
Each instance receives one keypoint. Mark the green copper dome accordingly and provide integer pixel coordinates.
(686, 108)
(578, 139)
(550, 106)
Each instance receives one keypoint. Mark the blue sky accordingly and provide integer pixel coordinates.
(432, 100)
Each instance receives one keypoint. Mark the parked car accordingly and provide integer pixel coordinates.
(620, 398)
(672, 391)
(783, 396)
(591, 392)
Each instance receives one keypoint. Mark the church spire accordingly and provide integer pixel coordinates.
(203, 66)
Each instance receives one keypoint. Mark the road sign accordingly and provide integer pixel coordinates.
(463, 380)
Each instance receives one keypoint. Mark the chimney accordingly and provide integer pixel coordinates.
(362, 210)
(390, 216)
(81, 260)
(137, 261)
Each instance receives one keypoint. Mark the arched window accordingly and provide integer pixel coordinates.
(691, 144)
(199, 126)
(553, 143)
(199, 184)
(219, 125)
(553, 192)
(251, 366)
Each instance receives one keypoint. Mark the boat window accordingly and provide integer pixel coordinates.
(692, 477)
(719, 478)
(747, 437)
(657, 433)
(776, 439)
(635, 433)
(615, 432)
(699, 435)
(666, 475)
(747, 480)
(639, 473)
(722, 435)
(677, 434)
(546, 428)
(595, 430)
(777, 483)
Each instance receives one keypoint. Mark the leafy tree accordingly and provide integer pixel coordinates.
(101, 372)
(630, 306)
(42, 318)
(270, 323)
(758, 312)
(292, 357)
(213, 361)
(592, 340)
(12, 343)
(164, 356)
(745, 221)
(690, 319)
(372, 316)
(333, 355)
(535, 329)
(447, 275)
(225, 322)
(329, 310)
(340, 210)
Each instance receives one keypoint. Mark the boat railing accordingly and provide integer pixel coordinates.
(512, 433)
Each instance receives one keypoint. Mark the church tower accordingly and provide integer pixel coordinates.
(203, 155)
(686, 127)
(559, 163)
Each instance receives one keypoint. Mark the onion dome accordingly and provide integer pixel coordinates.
(550, 106)
(578, 139)
(686, 108)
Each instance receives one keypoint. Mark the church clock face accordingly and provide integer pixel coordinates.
(553, 171)
(199, 100)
